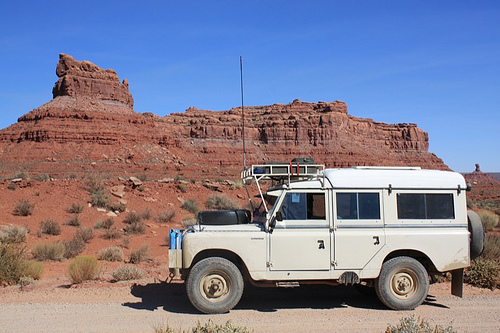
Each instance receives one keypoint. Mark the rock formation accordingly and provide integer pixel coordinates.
(91, 125)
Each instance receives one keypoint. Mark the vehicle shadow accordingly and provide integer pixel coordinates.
(171, 297)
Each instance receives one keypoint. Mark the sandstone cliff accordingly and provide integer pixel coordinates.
(91, 125)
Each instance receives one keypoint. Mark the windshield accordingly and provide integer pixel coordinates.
(267, 204)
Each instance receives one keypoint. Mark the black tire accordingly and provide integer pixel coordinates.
(214, 285)
(403, 283)
(476, 234)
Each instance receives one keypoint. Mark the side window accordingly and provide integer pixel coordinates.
(303, 206)
(425, 206)
(358, 206)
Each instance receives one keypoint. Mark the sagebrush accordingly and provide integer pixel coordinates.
(220, 202)
(83, 268)
(112, 253)
(413, 324)
(48, 251)
(125, 273)
(13, 234)
(24, 208)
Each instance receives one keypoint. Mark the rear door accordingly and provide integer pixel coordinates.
(359, 228)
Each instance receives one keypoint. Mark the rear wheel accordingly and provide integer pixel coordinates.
(214, 285)
(403, 283)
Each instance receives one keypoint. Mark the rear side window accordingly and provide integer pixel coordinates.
(425, 206)
(358, 206)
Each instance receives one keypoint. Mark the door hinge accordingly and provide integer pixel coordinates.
(269, 264)
(333, 263)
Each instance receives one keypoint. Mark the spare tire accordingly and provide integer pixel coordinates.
(476, 234)
(224, 217)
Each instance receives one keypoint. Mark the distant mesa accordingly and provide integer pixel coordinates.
(90, 125)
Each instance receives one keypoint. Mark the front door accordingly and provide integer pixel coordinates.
(301, 241)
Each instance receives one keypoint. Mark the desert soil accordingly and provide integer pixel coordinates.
(56, 306)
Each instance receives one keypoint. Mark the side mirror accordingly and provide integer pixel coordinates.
(279, 216)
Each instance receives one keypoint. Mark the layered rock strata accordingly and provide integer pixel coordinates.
(91, 125)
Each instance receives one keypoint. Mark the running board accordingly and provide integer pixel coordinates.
(287, 284)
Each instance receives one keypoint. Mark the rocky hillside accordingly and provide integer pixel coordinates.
(90, 125)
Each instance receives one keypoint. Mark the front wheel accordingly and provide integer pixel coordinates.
(214, 285)
(403, 283)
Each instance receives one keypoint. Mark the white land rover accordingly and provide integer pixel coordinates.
(383, 227)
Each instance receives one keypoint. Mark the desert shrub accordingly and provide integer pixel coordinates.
(188, 222)
(208, 327)
(22, 174)
(83, 268)
(73, 247)
(41, 177)
(48, 251)
(75, 208)
(139, 255)
(165, 216)
(238, 184)
(132, 217)
(104, 224)
(191, 205)
(49, 227)
(11, 261)
(491, 248)
(12, 186)
(125, 273)
(182, 187)
(112, 233)
(125, 242)
(489, 220)
(74, 221)
(93, 184)
(117, 207)
(220, 202)
(13, 234)
(32, 269)
(135, 228)
(483, 273)
(85, 234)
(416, 325)
(100, 199)
(112, 253)
(24, 208)
(146, 214)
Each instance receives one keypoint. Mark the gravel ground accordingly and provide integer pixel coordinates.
(140, 308)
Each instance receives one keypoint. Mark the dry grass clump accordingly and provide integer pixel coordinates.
(74, 221)
(208, 327)
(14, 266)
(126, 273)
(220, 202)
(13, 234)
(75, 208)
(133, 223)
(73, 247)
(191, 205)
(85, 234)
(24, 208)
(165, 216)
(139, 255)
(32, 269)
(49, 227)
(112, 253)
(48, 251)
(104, 224)
(413, 324)
(83, 268)
(489, 220)
(112, 233)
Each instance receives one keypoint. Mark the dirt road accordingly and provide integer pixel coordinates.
(139, 308)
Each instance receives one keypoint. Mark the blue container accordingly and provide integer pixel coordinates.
(175, 239)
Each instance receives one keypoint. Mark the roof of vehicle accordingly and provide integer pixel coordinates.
(395, 177)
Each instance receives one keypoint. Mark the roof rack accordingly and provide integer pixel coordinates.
(283, 173)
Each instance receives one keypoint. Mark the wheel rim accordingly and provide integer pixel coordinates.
(215, 287)
(404, 284)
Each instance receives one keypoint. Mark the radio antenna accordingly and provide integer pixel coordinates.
(242, 115)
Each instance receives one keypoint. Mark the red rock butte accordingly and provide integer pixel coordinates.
(90, 126)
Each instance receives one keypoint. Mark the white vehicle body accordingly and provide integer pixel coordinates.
(341, 226)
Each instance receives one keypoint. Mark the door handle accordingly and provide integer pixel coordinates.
(377, 240)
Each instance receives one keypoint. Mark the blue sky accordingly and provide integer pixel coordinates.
(433, 63)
